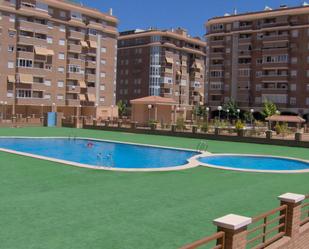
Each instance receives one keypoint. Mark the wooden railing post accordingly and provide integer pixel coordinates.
(235, 229)
(293, 218)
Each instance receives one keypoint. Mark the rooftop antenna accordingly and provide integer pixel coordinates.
(235, 11)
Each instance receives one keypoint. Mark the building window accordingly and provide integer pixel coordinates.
(24, 63)
(41, 6)
(60, 83)
(10, 64)
(294, 60)
(293, 87)
(103, 75)
(61, 42)
(103, 62)
(50, 25)
(92, 32)
(62, 28)
(12, 18)
(49, 40)
(61, 69)
(102, 99)
(76, 15)
(61, 56)
(60, 97)
(74, 69)
(102, 87)
(293, 73)
(47, 96)
(12, 33)
(62, 14)
(10, 48)
(103, 50)
(293, 101)
(47, 82)
(294, 33)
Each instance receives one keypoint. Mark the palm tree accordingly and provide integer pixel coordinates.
(269, 109)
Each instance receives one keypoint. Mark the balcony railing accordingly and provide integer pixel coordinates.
(305, 211)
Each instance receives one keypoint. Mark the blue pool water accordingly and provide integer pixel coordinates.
(101, 153)
(254, 162)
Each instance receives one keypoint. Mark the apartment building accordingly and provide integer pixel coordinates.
(166, 63)
(260, 56)
(56, 55)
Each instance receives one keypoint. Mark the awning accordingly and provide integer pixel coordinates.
(169, 60)
(82, 97)
(178, 72)
(91, 97)
(11, 79)
(84, 44)
(26, 78)
(93, 44)
(82, 84)
(43, 51)
(286, 118)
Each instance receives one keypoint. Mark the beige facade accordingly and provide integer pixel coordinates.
(166, 63)
(56, 55)
(260, 56)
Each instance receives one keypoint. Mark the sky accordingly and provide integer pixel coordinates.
(189, 14)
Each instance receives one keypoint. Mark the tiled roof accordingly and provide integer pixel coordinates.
(153, 100)
(285, 118)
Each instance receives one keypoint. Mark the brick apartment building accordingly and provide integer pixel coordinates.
(56, 55)
(166, 63)
(257, 56)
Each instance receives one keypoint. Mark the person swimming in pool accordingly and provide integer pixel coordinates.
(90, 145)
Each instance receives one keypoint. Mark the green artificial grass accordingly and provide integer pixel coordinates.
(49, 205)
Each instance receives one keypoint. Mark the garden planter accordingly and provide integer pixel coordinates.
(298, 136)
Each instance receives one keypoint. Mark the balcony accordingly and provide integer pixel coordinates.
(76, 35)
(276, 38)
(33, 26)
(24, 54)
(75, 76)
(31, 41)
(74, 61)
(90, 77)
(91, 64)
(75, 48)
(72, 102)
(73, 89)
(31, 101)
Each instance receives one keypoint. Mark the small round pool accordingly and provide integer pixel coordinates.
(254, 163)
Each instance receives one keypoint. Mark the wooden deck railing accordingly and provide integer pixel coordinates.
(218, 238)
(267, 228)
(305, 211)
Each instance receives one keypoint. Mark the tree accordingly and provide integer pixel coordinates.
(269, 109)
(232, 106)
(122, 108)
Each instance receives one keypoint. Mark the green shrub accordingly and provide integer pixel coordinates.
(204, 127)
(180, 123)
(239, 125)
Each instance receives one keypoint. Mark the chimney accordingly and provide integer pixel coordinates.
(110, 11)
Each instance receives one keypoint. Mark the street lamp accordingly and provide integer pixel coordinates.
(112, 114)
(238, 111)
(1, 103)
(53, 107)
(5, 104)
(251, 116)
(219, 109)
(149, 108)
(278, 112)
(207, 115)
(42, 110)
(227, 114)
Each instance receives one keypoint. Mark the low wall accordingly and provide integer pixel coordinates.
(207, 136)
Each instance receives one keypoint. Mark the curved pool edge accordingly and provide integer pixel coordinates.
(252, 170)
(192, 162)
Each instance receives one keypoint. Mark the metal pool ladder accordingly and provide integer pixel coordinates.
(202, 146)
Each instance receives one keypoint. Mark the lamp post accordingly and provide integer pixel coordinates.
(219, 109)
(278, 112)
(238, 112)
(228, 114)
(251, 116)
(207, 115)
(5, 105)
(1, 103)
(112, 113)
(53, 107)
(149, 109)
(42, 110)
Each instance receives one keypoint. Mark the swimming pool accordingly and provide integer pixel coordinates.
(255, 163)
(99, 153)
